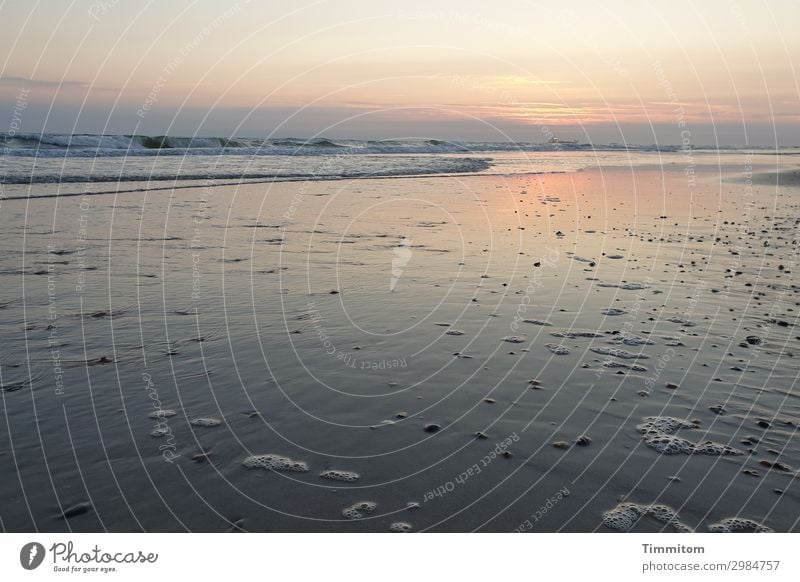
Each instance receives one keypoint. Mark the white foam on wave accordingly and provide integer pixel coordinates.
(293, 146)
(148, 165)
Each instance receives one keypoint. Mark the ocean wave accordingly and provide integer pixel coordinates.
(86, 172)
(90, 145)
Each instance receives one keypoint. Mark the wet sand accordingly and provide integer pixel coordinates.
(521, 353)
(780, 178)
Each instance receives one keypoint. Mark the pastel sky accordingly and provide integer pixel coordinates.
(712, 71)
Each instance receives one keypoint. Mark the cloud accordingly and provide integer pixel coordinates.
(15, 80)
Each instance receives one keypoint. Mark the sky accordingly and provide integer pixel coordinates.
(706, 72)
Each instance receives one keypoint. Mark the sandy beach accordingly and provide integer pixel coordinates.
(552, 352)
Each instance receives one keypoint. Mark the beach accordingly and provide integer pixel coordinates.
(466, 351)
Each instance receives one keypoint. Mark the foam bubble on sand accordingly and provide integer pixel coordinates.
(620, 365)
(357, 510)
(625, 515)
(274, 463)
(739, 524)
(658, 433)
(667, 424)
(626, 286)
(630, 339)
(613, 311)
(336, 475)
(712, 448)
(514, 339)
(558, 349)
(778, 465)
(206, 422)
(400, 527)
(163, 413)
(683, 322)
(618, 353)
(576, 334)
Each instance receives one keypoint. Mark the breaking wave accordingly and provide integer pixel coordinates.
(89, 145)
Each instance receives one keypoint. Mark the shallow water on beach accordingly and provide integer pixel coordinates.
(420, 353)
